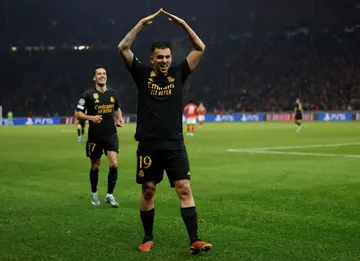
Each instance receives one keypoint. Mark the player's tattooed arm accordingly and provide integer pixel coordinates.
(125, 44)
(198, 47)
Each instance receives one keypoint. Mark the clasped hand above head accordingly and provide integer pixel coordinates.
(173, 18)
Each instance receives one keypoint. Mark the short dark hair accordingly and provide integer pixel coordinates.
(97, 68)
(160, 45)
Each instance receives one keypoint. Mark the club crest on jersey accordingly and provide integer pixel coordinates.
(141, 174)
(170, 79)
(96, 97)
(112, 100)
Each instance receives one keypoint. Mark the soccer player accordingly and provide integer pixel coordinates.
(159, 127)
(80, 125)
(298, 110)
(201, 111)
(190, 112)
(10, 120)
(101, 104)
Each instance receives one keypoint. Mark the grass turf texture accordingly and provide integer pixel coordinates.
(251, 206)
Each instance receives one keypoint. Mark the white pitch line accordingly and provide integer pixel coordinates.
(297, 147)
(299, 153)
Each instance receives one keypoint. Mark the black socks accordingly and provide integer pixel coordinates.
(189, 216)
(147, 218)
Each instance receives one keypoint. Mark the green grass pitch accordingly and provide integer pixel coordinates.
(299, 201)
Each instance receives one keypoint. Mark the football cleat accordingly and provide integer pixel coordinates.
(146, 247)
(95, 199)
(200, 246)
(111, 200)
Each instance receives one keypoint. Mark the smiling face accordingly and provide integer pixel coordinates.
(161, 58)
(100, 77)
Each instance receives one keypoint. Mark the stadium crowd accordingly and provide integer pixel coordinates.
(263, 67)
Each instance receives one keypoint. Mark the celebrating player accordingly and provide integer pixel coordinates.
(201, 111)
(80, 125)
(101, 104)
(159, 127)
(190, 112)
(298, 110)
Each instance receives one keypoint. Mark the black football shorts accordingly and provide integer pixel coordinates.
(96, 147)
(153, 158)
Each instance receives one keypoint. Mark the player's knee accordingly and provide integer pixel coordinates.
(113, 164)
(148, 191)
(183, 189)
(95, 167)
(113, 159)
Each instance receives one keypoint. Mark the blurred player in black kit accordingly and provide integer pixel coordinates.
(159, 127)
(298, 111)
(101, 104)
(80, 126)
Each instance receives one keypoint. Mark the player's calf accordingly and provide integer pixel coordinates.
(188, 209)
(190, 130)
(147, 214)
(112, 178)
(78, 133)
(94, 178)
(189, 216)
(82, 134)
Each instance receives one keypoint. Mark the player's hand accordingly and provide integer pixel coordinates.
(120, 123)
(96, 119)
(150, 18)
(173, 18)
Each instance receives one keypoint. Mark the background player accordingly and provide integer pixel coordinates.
(10, 120)
(80, 125)
(101, 104)
(201, 111)
(159, 129)
(190, 112)
(298, 111)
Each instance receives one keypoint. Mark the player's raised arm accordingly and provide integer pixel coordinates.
(198, 47)
(125, 44)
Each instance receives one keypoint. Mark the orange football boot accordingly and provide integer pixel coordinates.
(146, 247)
(200, 246)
